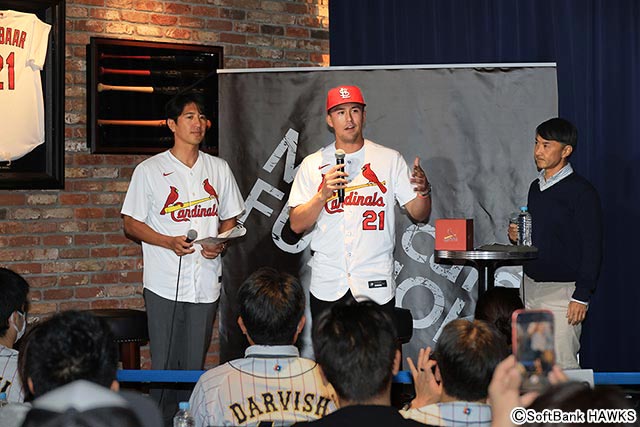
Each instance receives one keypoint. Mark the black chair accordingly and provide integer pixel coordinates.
(129, 328)
(403, 322)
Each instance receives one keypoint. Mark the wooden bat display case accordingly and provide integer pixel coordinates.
(129, 82)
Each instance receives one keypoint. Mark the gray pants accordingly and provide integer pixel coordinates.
(186, 349)
(555, 296)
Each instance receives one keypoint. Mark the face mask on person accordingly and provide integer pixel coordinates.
(24, 325)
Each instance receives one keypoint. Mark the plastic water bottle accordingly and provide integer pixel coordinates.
(525, 225)
(183, 417)
(3, 399)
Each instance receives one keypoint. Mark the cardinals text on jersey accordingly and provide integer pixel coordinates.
(183, 211)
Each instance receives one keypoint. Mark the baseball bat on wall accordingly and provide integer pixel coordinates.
(199, 59)
(146, 140)
(154, 73)
(151, 123)
(166, 90)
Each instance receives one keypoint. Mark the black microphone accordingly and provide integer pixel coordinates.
(191, 235)
(340, 161)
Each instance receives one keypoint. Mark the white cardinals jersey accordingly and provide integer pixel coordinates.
(23, 49)
(271, 385)
(9, 377)
(353, 243)
(172, 199)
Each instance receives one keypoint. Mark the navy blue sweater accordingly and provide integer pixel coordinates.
(567, 230)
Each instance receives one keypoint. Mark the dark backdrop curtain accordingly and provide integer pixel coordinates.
(596, 45)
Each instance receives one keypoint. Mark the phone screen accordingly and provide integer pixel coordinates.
(533, 346)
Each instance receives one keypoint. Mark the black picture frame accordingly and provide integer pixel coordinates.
(43, 168)
(130, 81)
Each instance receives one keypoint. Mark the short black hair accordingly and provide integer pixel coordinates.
(175, 106)
(467, 354)
(70, 346)
(496, 306)
(13, 296)
(560, 130)
(356, 344)
(271, 306)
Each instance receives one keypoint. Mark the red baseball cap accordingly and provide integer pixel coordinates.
(344, 94)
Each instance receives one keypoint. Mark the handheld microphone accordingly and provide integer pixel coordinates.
(191, 235)
(340, 161)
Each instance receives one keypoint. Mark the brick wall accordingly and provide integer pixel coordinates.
(69, 244)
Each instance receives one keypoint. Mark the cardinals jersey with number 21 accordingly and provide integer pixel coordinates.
(353, 242)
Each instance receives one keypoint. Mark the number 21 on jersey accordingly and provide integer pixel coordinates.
(9, 64)
(373, 220)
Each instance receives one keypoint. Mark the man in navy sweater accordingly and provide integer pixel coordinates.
(567, 230)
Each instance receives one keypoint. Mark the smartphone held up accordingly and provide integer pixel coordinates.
(533, 346)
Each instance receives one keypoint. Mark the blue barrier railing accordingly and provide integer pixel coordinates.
(616, 378)
(403, 377)
(157, 376)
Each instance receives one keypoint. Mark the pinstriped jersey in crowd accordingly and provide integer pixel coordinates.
(271, 385)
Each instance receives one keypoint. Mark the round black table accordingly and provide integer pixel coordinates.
(486, 259)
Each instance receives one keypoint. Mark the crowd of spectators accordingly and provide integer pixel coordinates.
(68, 364)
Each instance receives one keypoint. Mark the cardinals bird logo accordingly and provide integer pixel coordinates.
(451, 236)
(183, 211)
(368, 173)
(171, 199)
(209, 189)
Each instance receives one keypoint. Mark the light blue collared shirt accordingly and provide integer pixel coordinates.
(556, 178)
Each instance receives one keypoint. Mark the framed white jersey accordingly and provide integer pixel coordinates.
(23, 49)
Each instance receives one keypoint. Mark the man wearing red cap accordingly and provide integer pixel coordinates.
(353, 240)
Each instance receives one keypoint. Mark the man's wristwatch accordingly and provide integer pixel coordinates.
(427, 193)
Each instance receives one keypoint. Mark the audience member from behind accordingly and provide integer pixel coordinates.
(13, 323)
(358, 352)
(272, 383)
(496, 307)
(71, 346)
(452, 389)
(81, 404)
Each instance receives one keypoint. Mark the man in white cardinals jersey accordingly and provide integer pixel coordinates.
(171, 193)
(23, 49)
(353, 241)
(13, 322)
(272, 384)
